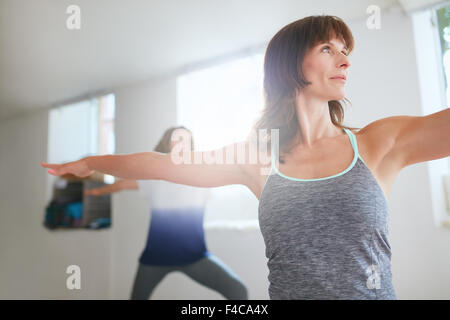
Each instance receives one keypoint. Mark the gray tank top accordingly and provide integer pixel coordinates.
(326, 238)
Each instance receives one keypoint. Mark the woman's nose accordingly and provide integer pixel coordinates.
(344, 61)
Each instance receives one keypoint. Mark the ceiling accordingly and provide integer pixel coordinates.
(43, 63)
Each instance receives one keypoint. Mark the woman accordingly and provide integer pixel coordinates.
(323, 209)
(176, 240)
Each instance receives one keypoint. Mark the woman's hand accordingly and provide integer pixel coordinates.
(78, 168)
(112, 188)
(93, 192)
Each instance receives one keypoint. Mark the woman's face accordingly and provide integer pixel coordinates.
(321, 64)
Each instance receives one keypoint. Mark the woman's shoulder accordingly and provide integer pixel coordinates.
(372, 141)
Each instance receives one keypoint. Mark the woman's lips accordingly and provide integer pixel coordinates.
(340, 79)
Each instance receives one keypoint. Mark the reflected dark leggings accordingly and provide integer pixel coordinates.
(208, 271)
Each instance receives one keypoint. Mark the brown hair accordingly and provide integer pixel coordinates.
(283, 75)
(163, 145)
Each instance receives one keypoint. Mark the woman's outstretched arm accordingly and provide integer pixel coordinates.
(201, 168)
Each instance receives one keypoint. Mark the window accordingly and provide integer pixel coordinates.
(72, 132)
(219, 104)
(431, 33)
(75, 131)
(81, 129)
(106, 136)
(443, 25)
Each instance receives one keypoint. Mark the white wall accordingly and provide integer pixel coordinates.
(383, 82)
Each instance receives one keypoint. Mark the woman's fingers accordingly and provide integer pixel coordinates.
(50, 166)
(92, 192)
(78, 168)
(54, 169)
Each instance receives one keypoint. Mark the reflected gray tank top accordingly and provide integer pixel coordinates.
(326, 238)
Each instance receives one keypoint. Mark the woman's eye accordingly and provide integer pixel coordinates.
(328, 48)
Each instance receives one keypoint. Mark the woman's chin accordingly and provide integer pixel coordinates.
(338, 96)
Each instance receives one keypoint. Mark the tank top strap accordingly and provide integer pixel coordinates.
(353, 141)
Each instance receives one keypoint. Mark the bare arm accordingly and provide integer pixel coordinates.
(111, 188)
(412, 139)
(160, 166)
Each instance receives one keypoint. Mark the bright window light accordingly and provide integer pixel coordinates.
(73, 132)
(219, 104)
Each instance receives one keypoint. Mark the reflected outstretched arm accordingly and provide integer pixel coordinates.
(112, 188)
